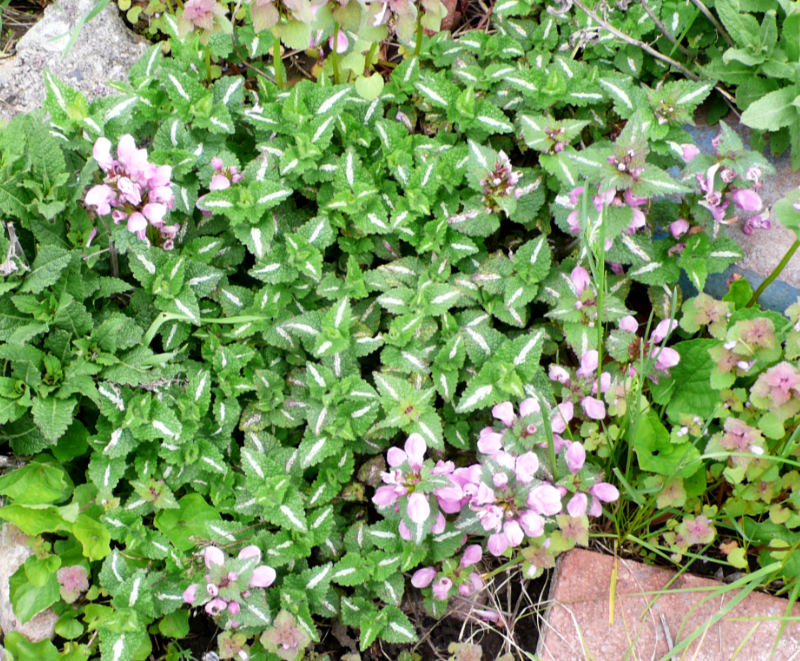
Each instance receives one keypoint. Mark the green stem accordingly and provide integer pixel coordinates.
(277, 63)
(775, 273)
(368, 62)
(208, 63)
(337, 76)
(418, 36)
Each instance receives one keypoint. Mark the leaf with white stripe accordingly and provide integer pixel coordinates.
(477, 395)
(185, 304)
(398, 628)
(351, 570)
(315, 449)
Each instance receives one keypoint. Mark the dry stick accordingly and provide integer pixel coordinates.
(236, 49)
(663, 28)
(635, 42)
(652, 51)
(704, 10)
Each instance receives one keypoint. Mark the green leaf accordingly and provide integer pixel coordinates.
(53, 416)
(657, 454)
(369, 87)
(29, 599)
(187, 525)
(50, 261)
(22, 649)
(37, 483)
(93, 536)
(773, 110)
(350, 570)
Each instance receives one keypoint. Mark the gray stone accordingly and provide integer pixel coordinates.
(13, 552)
(104, 51)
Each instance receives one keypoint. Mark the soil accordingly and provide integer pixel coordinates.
(16, 19)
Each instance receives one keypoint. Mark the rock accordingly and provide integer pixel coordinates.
(14, 550)
(104, 51)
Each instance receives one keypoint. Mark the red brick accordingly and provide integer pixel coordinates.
(577, 625)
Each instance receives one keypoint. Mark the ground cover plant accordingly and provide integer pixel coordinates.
(282, 360)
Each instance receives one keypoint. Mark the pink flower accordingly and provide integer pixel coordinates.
(588, 363)
(219, 182)
(233, 607)
(385, 496)
(629, 323)
(525, 467)
(545, 499)
(154, 212)
(688, 151)
(101, 197)
(423, 577)
(415, 450)
(190, 593)
(73, 579)
(472, 554)
(133, 159)
(200, 13)
(593, 408)
(504, 412)
(216, 163)
(580, 280)
(439, 525)
(395, 456)
(212, 589)
(662, 330)
(441, 588)
(497, 544)
(474, 583)
(679, 228)
(213, 556)
(559, 374)
(575, 457)
(746, 199)
(532, 523)
(780, 383)
(528, 406)
(577, 505)
(489, 441)
(101, 152)
(216, 606)
(605, 492)
(665, 358)
(561, 416)
(342, 42)
(513, 533)
(263, 576)
(251, 551)
(418, 508)
(575, 194)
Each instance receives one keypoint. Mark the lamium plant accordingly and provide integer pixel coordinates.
(278, 359)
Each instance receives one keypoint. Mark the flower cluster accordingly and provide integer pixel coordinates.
(133, 190)
(229, 583)
(609, 198)
(223, 177)
(509, 496)
(500, 182)
(719, 187)
(72, 581)
(206, 15)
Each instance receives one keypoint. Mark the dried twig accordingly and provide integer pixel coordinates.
(717, 25)
(663, 28)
